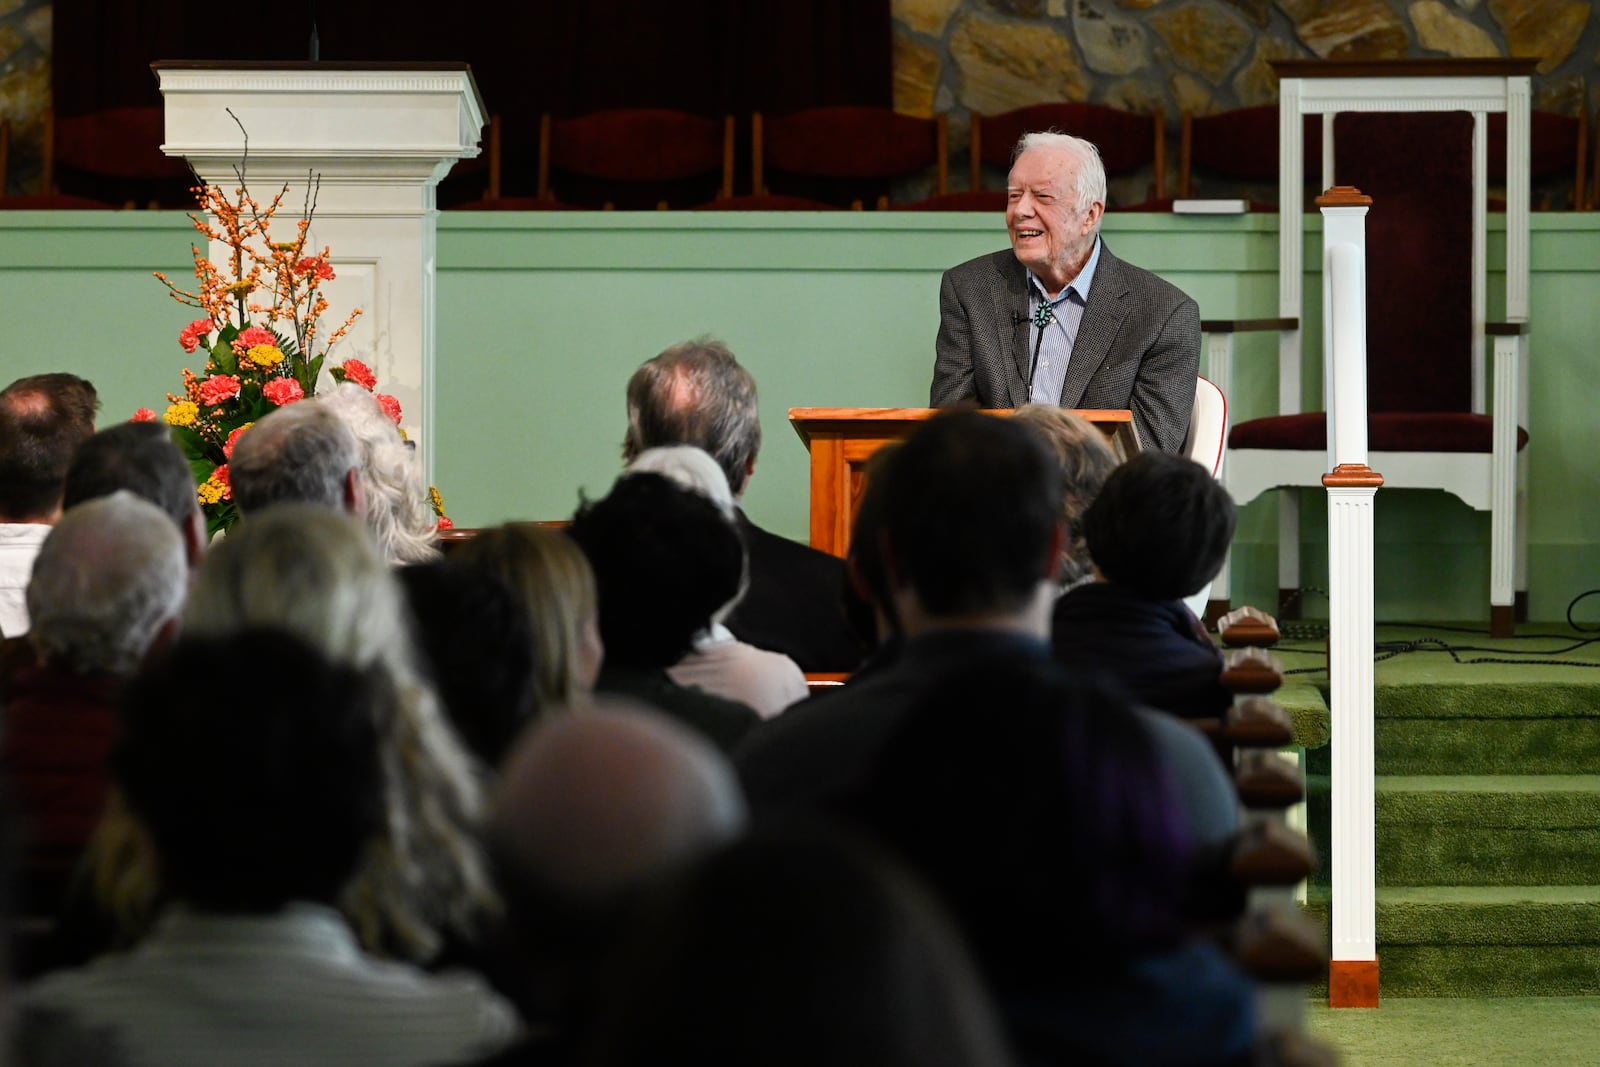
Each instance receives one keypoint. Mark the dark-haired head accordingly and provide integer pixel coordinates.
(43, 420)
(1037, 806)
(664, 559)
(1161, 525)
(477, 639)
(139, 457)
(972, 510)
(723, 972)
(267, 797)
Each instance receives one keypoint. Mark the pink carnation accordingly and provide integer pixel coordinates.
(233, 439)
(390, 406)
(315, 265)
(143, 415)
(221, 475)
(283, 391)
(445, 523)
(358, 372)
(218, 389)
(255, 335)
(190, 336)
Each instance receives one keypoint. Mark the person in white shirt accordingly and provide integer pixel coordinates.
(43, 419)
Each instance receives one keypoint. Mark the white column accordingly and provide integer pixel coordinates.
(376, 139)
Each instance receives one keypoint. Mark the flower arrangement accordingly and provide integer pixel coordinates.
(262, 335)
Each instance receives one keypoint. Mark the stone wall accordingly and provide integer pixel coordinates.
(1205, 56)
(24, 86)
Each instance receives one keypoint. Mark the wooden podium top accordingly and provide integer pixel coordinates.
(841, 440)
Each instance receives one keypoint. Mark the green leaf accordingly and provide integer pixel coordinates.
(222, 352)
(310, 380)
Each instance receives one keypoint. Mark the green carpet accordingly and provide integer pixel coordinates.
(1464, 1032)
(1487, 808)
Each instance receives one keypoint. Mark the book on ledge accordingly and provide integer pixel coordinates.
(1210, 207)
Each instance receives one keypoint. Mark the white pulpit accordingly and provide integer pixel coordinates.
(376, 138)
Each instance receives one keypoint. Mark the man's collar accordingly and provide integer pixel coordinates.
(1079, 285)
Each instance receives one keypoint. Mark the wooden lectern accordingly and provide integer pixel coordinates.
(841, 440)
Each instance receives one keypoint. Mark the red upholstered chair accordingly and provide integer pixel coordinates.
(115, 156)
(1235, 154)
(633, 158)
(1428, 422)
(1559, 160)
(1128, 143)
(845, 156)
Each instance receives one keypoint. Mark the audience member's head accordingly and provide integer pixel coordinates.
(696, 393)
(141, 458)
(476, 636)
(315, 573)
(108, 582)
(665, 560)
(972, 516)
(301, 453)
(269, 800)
(693, 469)
(595, 804)
(592, 813)
(43, 420)
(1086, 462)
(1161, 526)
(1037, 806)
(399, 511)
(550, 573)
(796, 948)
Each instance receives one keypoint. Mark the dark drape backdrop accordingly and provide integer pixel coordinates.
(567, 57)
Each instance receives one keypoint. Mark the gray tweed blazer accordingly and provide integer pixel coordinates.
(1138, 346)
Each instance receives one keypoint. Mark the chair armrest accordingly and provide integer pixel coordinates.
(1247, 325)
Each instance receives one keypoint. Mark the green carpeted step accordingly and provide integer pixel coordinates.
(1476, 830)
(1484, 941)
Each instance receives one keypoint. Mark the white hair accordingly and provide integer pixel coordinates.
(110, 574)
(1091, 172)
(691, 468)
(315, 573)
(399, 511)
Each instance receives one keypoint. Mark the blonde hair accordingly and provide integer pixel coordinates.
(1086, 462)
(552, 575)
(314, 573)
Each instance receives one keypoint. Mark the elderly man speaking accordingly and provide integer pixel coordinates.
(1058, 319)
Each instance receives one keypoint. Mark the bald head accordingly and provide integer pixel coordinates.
(601, 801)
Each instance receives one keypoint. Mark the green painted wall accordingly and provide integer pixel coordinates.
(543, 316)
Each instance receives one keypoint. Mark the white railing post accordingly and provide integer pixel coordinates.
(1351, 486)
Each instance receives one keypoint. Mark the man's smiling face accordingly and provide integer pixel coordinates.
(1050, 236)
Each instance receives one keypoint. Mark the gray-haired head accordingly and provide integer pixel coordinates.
(141, 458)
(398, 510)
(596, 804)
(300, 453)
(696, 393)
(109, 576)
(1090, 171)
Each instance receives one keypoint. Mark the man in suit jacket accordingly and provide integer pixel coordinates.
(1058, 319)
(696, 393)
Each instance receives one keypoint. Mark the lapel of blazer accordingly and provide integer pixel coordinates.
(1010, 301)
(1102, 319)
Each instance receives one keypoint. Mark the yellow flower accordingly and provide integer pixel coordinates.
(241, 288)
(437, 498)
(183, 413)
(210, 491)
(265, 355)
